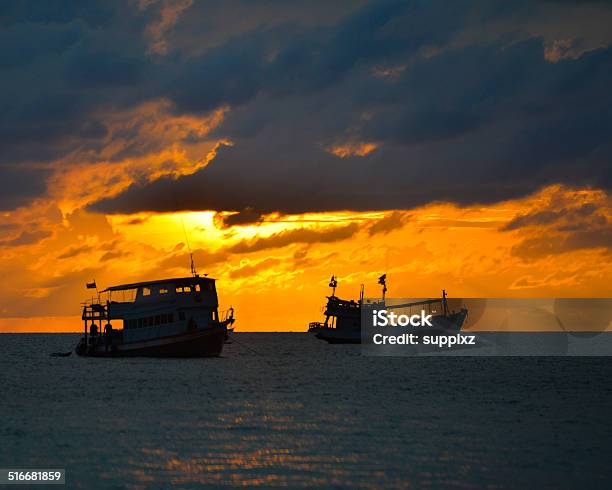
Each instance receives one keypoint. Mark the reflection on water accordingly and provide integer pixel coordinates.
(301, 413)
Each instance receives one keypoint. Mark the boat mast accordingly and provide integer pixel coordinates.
(333, 283)
(382, 280)
(444, 303)
(194, 273)
(193, 269)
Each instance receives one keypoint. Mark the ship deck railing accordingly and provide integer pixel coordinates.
(94, 311)
(314, 325)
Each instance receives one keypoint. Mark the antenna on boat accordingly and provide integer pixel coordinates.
(333, 283)
(444, 303)
(194, 273)
(361, 292)
(382, 280)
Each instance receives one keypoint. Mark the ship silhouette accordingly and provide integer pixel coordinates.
(343, 318)
(176, 317)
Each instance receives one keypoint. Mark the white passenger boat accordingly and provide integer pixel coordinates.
(165, 318)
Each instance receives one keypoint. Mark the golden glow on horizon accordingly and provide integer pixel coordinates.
(275, 272)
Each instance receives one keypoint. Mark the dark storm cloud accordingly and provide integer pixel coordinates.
(459, 97)
(60, 63)
(243, 217)
(18, 185)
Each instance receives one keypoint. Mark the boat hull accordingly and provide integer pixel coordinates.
(200, 343)
(339, 337)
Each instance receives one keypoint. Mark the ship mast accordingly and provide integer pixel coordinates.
(193, 269)
(444, 303)
(333, 283)
(382, 280)
(194, 273)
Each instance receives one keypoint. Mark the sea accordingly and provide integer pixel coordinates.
(285, 410)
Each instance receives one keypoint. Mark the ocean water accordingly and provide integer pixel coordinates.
(287, 410)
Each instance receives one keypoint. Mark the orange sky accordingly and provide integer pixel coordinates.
(275, 273)
(167, 98)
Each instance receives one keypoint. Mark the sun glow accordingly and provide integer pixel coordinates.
(275, 270)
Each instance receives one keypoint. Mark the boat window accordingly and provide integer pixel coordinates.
(163, 290)
(197, 287)
(146, 291)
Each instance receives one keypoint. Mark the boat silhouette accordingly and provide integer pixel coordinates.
(343, 318)
(176, 317)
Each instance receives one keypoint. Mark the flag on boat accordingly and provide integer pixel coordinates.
(382, 279)
(92, 285)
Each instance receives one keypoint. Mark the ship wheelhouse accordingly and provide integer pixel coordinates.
(163, 308)
(342, 313)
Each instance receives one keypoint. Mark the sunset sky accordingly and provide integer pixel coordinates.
(456, 145)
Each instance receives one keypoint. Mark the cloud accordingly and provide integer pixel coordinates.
(169, 12)
(249, 269)
(26, 238)
(20, 185)
(74, 251)
(550, 216)
(564, 221)
(520, 125)
(113, 255)
(247, 216)
(391, 222)
(458, 113)
(202, 259)
(533, 248)
(290, 237)
(359, 149)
